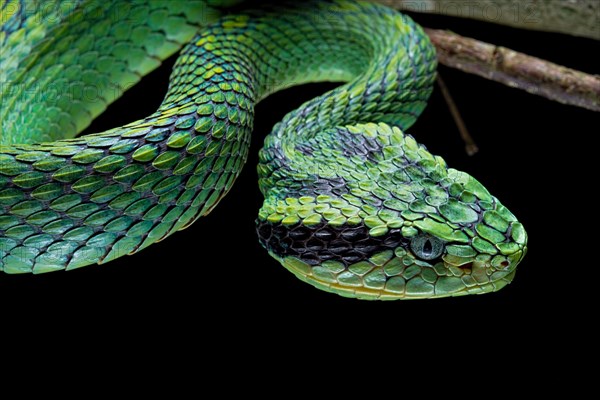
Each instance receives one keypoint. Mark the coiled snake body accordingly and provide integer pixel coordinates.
(352, 204)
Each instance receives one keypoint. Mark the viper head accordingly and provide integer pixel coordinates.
(365, 211)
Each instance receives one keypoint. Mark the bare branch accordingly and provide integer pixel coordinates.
(573, 17)
(517, 70)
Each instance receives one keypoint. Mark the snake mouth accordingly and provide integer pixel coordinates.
(379, 282)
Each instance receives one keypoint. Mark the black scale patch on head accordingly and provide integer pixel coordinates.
(314, 244)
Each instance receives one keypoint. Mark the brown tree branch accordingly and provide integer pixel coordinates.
(517, 70)
(573, 17)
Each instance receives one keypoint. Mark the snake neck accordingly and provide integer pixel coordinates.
(389, 80)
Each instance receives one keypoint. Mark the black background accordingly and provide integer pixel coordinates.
(216, 275)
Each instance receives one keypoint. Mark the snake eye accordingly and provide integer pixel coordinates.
(427, 247)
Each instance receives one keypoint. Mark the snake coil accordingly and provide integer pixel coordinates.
(353, 205)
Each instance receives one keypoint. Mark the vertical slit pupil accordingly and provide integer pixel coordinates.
(427, 248)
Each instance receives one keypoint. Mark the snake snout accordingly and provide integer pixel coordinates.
(513, 251)
(495, 266)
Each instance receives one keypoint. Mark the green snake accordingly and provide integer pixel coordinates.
(353, 205)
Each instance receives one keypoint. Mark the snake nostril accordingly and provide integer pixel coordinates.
(504, 264)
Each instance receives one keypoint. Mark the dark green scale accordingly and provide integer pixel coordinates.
(352, 205)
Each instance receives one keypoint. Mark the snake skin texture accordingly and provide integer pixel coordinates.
(353, 205)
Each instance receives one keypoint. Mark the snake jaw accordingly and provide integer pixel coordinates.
(404, 277)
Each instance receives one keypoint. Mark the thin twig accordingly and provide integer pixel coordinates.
(470, 145)
(517, 70)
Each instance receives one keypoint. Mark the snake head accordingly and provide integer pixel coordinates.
(367, 212)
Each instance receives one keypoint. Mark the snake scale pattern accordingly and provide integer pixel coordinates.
(353, 205)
